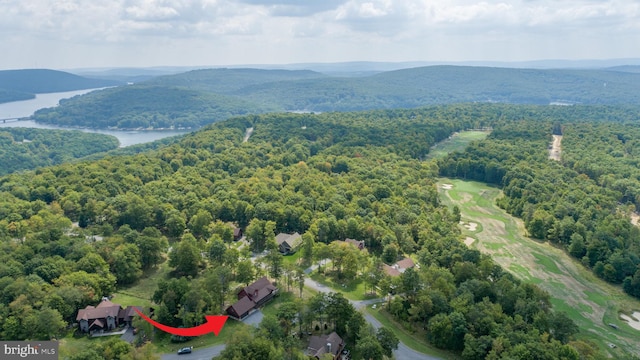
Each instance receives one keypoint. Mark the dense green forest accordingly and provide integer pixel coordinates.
(27, 148)
(160, 102)
(582, 202)
(329, 177)
(142, 106)
(10, 95)
(24, 84)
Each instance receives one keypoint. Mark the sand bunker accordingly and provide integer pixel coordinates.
(633, 320)
(447, 186)
(469, 240)
(471, 226)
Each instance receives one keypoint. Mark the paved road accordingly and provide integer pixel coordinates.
(200, 354)
(403, 352)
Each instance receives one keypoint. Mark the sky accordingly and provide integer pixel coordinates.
(71, 34)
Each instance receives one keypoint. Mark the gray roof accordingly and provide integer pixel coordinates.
(292, 240)
(318, 345)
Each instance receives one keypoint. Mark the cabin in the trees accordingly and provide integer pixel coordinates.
(252, 297)
(237, 233)
(357, 243)
(399, 267)
(106, 316)
(288, 243)
(325, 344)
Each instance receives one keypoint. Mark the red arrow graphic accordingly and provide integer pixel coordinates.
(214, 324)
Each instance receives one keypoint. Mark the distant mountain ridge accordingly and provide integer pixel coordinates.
(241, 91)
(24, 84)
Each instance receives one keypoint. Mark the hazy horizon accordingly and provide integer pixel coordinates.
(75, 34)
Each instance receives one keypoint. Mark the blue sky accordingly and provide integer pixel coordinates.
(87, 33)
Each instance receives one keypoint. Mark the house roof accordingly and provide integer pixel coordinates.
(105, 309)
(399, 267)
(257, 285)
(292, 240)
(405, 263)
(391, 270)
(260, 289)
(97, 323)
(242, 306)
(318, 345)
(237, 232)
(128, 312)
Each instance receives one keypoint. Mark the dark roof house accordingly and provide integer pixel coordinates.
(325, 344)
(288, 243)
(237, 233)
(241, 308)
(252, 297)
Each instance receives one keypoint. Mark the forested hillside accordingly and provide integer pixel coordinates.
(240, 91)
(329, 177)
(27, 148)
(581, 203)
(24, 84)
(10, 95)
(142, 106)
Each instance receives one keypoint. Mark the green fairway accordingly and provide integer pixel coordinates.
(457, 142)
(589, 301)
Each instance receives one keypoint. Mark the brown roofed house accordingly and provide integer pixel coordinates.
(399, 267)
(288, 243)
(241, 308)
(105, 316)
(325, 344)
(237, 233)
(251, 297)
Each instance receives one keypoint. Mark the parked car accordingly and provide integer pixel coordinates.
(184, 350)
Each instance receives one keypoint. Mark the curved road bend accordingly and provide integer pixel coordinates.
(403, 352)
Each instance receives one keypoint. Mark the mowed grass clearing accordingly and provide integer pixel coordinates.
(589, 301)
(457, 142)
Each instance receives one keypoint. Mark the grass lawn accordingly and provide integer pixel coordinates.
(165, 346)
(292, 259)
(352, 290)
(415, 340)
(141, 292)
(457, 142)
(589, 301)
(72, 345)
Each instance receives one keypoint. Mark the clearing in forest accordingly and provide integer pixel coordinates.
(456, 142)
(592, 303)
(556, 148)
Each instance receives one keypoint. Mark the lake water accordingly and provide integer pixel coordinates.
(26, 108)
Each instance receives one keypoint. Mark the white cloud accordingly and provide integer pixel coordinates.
(293, 30)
